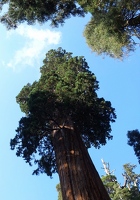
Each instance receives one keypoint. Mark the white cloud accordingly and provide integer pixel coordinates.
(37, 41)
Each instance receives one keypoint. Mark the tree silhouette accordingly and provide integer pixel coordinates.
(134, 141)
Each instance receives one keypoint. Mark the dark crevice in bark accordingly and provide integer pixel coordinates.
(68, 161)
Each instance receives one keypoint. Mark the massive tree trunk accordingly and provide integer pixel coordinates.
(79, 179)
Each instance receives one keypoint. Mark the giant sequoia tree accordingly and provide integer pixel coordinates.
(64, 117)
(113, 30)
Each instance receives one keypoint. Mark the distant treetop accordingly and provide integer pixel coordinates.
(114, 28)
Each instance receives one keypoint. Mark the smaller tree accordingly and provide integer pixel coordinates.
(130, 190)
(134, 141)
(132, 179)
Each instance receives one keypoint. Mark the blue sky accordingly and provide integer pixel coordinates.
(21, 54)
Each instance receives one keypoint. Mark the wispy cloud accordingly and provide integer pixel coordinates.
(37, 41)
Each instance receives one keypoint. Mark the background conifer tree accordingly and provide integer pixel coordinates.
(130, 190)
(134, 141)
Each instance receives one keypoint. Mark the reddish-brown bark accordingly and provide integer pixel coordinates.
(79, 179)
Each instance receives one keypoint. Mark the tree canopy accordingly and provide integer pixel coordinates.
(41, 11)
(114, 27)
(134, 141)
(66, 91)
(113, 30)
(130, 190)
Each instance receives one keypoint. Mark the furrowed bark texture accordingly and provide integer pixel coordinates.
(79, 179)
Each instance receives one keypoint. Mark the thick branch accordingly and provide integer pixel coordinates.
(133, 21)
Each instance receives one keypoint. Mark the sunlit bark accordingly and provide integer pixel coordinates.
(78, 177)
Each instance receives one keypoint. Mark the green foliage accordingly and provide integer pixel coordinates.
(134, 141)
(110, 183)
(111, 31)
(65, 91)
(58, 188)
(20, 11)
(103, 39)
(129, 191)
(112, 27)
(131, 176)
